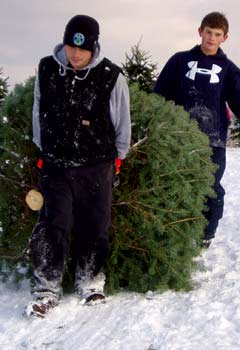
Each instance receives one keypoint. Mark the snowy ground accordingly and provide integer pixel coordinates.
(207, 318)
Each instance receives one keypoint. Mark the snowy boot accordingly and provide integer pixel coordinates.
(40, 307)
(206, 243)
(208, 238)
(42, 302)
(90, 289)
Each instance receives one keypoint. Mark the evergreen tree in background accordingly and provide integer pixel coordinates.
(138, 68)
(3, 94)
(3, 87)
(17, 169)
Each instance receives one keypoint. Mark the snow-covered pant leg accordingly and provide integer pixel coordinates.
(50, 239)
(216, 205)
(92, 216)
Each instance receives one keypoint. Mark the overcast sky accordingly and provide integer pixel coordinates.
(29, 29)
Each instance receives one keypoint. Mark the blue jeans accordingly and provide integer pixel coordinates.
(215, 205)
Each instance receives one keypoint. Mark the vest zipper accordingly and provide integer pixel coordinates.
(72, 90)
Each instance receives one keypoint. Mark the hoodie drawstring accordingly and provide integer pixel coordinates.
(85, 76)
(62, 70)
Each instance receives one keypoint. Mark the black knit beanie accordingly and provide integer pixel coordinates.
(82, 31)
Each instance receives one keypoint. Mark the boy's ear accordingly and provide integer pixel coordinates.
(200, 31)
(225, 37)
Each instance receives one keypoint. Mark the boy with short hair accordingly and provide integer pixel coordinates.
(81, 123)
(202, 80)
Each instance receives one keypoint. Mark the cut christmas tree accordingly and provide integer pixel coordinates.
(157, 210)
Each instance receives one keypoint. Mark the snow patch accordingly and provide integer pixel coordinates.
(208, 317)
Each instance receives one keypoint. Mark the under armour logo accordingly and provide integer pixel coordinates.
(194, 70)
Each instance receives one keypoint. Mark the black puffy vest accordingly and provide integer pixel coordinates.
(75, 123)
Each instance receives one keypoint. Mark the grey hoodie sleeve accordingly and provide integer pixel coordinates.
(35, 114)
(120, 115)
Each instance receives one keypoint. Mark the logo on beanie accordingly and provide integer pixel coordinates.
(78, 39)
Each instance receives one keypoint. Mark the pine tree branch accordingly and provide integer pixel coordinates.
(4, 177)
(139, 142)
(180, 171)
(121, 203)
(9, 151)
(131, 204)
(140, 249)
(184, 220)
(197, 180)
(181, 132)
(20, 256)
(159, 209)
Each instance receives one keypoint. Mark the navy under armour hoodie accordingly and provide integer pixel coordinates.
(202, 85)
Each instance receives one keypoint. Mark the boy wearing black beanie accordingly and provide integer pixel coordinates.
(81, 124)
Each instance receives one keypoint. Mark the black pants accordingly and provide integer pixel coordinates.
(76, 200)
(215, 205)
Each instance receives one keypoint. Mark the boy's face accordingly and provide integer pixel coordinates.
(212, 38)
(78, 58)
